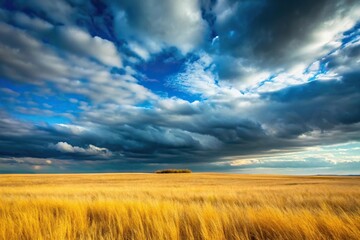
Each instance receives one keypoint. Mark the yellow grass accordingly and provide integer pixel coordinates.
(178, 206)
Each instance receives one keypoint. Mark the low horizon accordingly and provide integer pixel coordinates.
(192, 172)
(225, 86)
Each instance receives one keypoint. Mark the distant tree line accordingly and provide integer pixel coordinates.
(173, 171)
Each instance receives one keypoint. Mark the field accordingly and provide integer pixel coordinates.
(178, 206)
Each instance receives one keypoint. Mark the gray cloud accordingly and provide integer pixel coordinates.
(27, 60)
(58, 11)
(77, 41)
(22, 56)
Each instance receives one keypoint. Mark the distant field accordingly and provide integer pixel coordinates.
(178, 206)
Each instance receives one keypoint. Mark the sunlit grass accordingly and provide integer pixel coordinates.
(179, 206)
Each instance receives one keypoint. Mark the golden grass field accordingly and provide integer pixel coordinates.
(178, 206)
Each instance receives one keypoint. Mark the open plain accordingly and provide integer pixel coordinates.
(178, 206)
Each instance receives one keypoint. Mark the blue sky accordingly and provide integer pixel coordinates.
(211, 85)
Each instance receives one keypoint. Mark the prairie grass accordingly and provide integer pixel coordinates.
(178, 206)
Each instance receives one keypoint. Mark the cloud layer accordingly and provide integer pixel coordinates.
(211, 85)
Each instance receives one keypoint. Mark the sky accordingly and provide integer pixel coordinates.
(240, 86)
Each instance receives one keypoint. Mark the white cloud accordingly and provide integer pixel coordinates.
(79, 41)
(200, 78)
(139, 50)
(70, 128)
(172, 23)
(325, 155)
(90, 150)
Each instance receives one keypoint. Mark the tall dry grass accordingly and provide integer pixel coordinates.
(179, 206)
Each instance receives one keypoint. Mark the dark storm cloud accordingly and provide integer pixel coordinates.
(21, 139)
(275, 125)
(271, 33)
(271, 36)
(167, 135)
(321, 104)
(148, 136)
